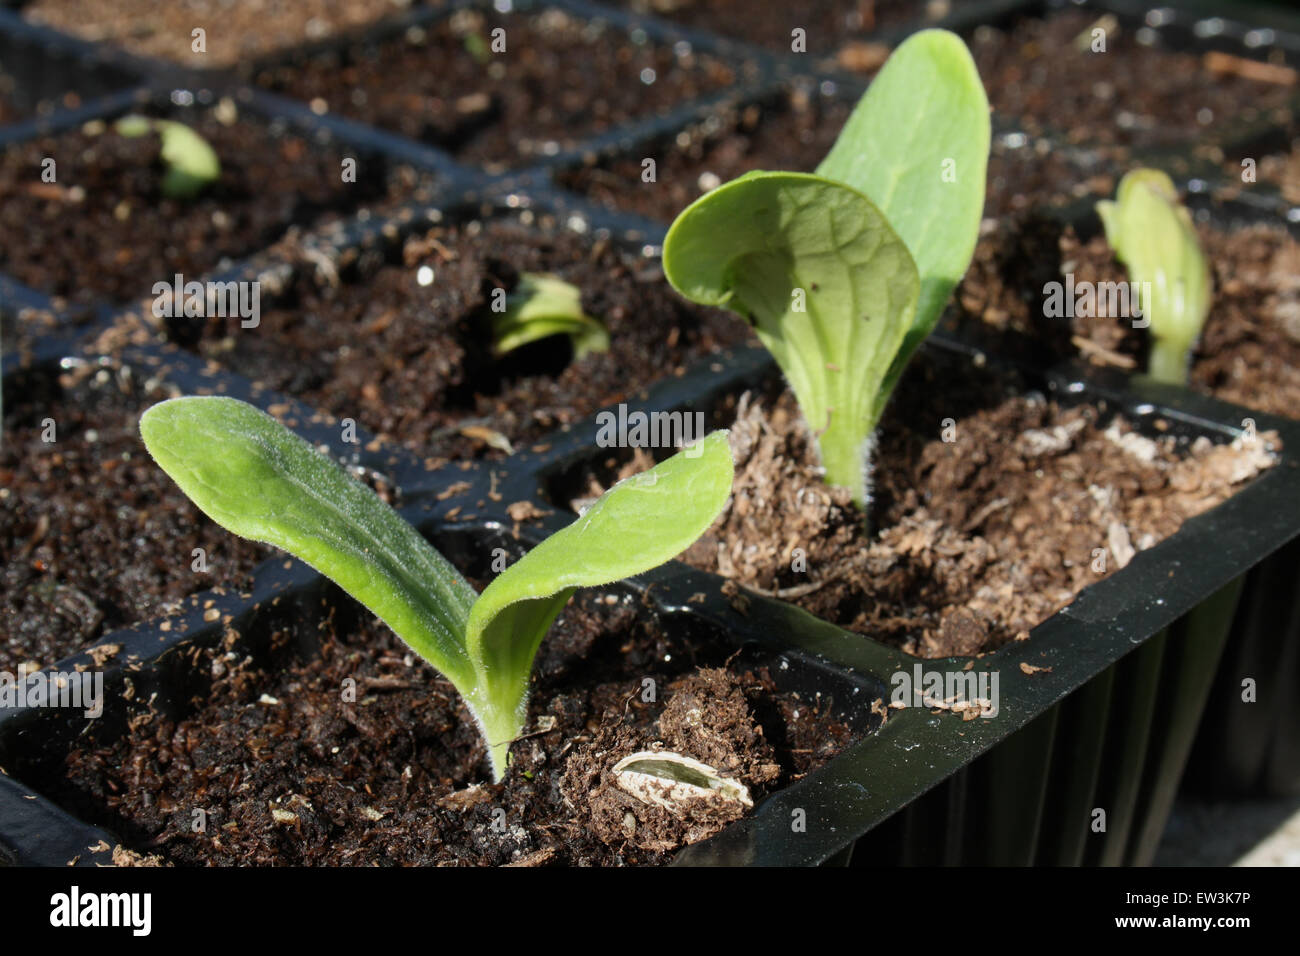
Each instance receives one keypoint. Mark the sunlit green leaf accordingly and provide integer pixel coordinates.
(637, 525)
(830, 288)
(257, 479)
(846, 271)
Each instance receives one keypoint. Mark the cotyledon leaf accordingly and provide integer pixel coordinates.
(1153, 235)
(257, 479)
(636, 525)
(192, 164)
(543, 305)
(917, 143)
(830, 287)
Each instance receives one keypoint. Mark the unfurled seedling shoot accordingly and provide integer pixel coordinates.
(192, 164)
(543, 305)
(259, 480)
(845, 272)
(1152, 234)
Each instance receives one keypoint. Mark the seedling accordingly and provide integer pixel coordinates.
(477, 47)
(259, 480)
(192, 164)
(1151, 232)
(844, 272)
(543, 305)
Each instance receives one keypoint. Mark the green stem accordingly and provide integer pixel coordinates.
(500, 728)
(846, 459)
(1168, 361)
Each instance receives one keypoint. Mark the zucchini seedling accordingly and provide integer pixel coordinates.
(192, 164)
(540, 306)
(1152, 234)
(259, 480)
(844, 272)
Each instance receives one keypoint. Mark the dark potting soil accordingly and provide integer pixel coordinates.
(827, 24)
(105, 231)
(93, 535)
(235, 31)
(414, 362)
(1045, 74)
(288, 772)
(558, 82)
(1249, 351)
(795, 133)
(974, 540)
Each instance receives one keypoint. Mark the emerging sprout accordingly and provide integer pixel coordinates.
(845, 272)
(191, 163)
(477, 47)
(543, 305)
(259, 480)
(1152, 234)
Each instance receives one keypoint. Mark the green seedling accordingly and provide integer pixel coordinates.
(259, 480)
(192, 164)
(541, 306)
(1152, 234)
(477, 47)
(844, 272)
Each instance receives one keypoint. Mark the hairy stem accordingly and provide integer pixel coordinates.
(1168, 361)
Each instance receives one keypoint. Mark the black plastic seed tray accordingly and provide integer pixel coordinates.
(1245, 746)
(1130, 661)
(43, 72)
(1111, 642)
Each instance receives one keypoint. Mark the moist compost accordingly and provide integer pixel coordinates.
(975, 540)
(827, 24)
(558, 82)
(104, 230)
(1045, 74)
(235, 31)
(93, 535)
(290, 773)
(414, 363)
